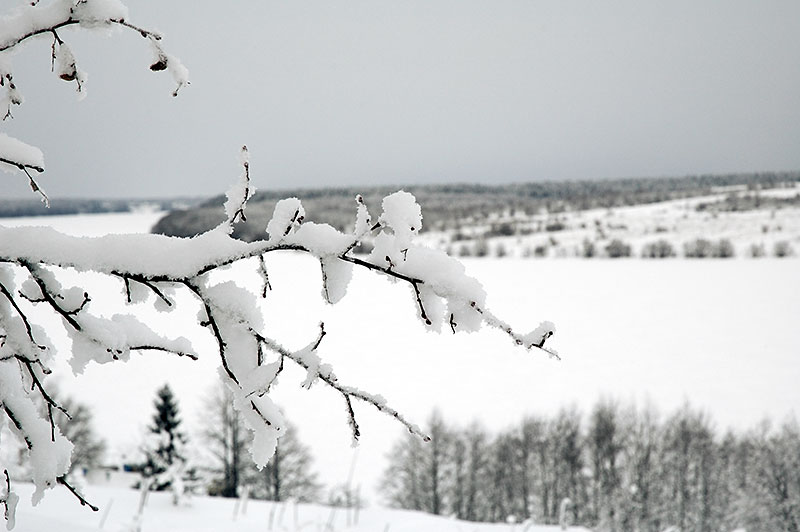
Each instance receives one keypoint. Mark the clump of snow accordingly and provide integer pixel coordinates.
(239, 304)
(336, 276)
(287, 216)
(259, 379)
(178, 71)
(65, 67)
(17, 153)
(94, 12)
(240, 191)
(402, 216)
(537, 337)
(321, 240)
(363, 219)
(263, 418)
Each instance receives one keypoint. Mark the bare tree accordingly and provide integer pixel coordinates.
(78, 428)
(777, 478)
(423, 477)
(194, 277)
(226, 438)
(605, 447)
(288, 474)
(642, 470)
(688, 451)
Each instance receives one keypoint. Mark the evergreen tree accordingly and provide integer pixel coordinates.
(165, 445)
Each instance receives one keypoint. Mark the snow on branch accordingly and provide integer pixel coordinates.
(239, 193)
(158, 272)
(16, 155)
(47, 277)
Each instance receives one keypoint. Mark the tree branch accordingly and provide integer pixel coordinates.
(63, 481)
(347, 392)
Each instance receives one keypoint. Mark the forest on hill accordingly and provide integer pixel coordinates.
(446, 206)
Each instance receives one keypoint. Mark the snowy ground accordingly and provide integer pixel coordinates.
(58, 512)
(722, 334)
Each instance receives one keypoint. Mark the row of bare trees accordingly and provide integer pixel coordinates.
(622, 468)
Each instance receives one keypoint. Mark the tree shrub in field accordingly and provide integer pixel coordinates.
(481, 248)
(617, 249)
(555, 226)
(757, 251)
(660, 249)
(782, 249)
(697, 249)
(588, 249)
(500, 229)
(724, 249)
(702, 248)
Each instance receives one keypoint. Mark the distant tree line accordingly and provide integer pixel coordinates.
(698, 248)
(622, 469)
(749, 201)
(447, 206)
(62, 206)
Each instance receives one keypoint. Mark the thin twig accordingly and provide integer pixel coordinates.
(63, 481)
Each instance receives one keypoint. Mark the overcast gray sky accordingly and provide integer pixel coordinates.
(362, 92)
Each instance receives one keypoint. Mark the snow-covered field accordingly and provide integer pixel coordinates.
(721, 334)
(59, 513)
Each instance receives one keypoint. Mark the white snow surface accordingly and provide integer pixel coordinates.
(214, 514)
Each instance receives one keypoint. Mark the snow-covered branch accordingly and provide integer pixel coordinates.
(153, 271)
(50, 280)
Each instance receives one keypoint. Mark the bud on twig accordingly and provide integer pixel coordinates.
(160, 64)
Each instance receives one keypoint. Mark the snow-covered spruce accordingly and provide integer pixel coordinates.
(157, 271)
